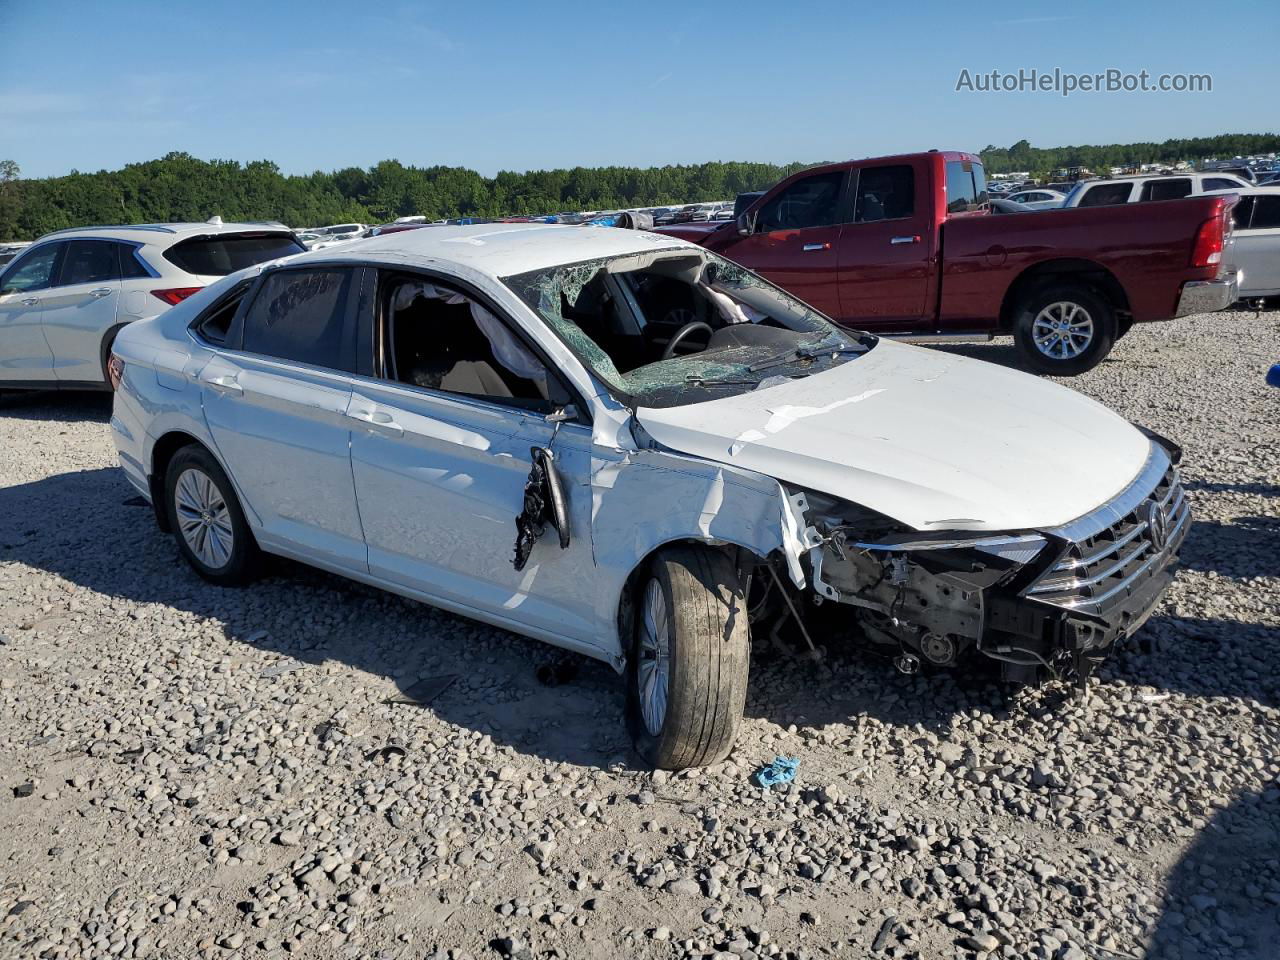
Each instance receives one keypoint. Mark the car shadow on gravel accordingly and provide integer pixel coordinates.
(306, 617)
(1245, 547)
(1220, 898)
(1202, 657)
(64, 405)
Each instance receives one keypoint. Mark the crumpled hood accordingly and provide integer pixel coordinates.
(932, 440)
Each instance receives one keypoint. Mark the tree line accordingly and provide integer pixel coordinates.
(1043, 160)
(180, 187)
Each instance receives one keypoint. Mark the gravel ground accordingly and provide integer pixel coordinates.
(188, 771)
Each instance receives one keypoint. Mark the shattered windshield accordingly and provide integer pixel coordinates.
(673, 327)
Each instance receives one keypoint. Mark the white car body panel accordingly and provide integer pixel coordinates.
(416, 491)
(926, 438)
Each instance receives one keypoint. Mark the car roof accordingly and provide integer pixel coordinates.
(161, 233)
(497, 249)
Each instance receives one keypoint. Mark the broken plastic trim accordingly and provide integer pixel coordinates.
(544, 504)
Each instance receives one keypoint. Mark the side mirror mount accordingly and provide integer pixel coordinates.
(747, 223)
(565, 414)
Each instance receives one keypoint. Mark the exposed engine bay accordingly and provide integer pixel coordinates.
(1042, 603)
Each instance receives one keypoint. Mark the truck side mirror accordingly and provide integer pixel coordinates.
(747, 223)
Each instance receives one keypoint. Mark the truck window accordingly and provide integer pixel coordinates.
(1241, 212)
(1266, 213)
(1174, 188)
(885, 193)
(966, 186)
(1106, 194)
(811, 202)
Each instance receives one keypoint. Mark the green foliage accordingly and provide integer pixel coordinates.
(1099, 159)
(179, 187)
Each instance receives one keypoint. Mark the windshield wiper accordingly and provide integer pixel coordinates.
(808, 353)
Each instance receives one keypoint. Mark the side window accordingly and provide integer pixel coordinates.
(811, 202)
(1266, 213)
(89, 261)
(300, 315)
(215, 323)
(1106, 194)
(131, 267)
(1174, 188)
(966, 187)
(31, 271)
(438, 338)
(1241, 212)
(1220, 183)
(885, 193)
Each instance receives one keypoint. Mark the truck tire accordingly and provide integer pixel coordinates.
(205, 517)
(1064, 329)
(687, 676)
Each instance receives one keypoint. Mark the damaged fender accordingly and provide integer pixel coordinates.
(644, 498)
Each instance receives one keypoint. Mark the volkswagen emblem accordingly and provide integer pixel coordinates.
(1158, 525)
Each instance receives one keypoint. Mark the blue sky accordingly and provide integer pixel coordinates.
(517, 86)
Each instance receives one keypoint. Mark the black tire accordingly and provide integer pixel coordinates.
(1100, 314)
(708, 653)
(241, 559)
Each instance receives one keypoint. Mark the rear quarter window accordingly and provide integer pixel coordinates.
(217, 256)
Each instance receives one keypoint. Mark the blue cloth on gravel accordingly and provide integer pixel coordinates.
(782, 770)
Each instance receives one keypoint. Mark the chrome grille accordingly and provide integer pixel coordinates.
(1103, 568)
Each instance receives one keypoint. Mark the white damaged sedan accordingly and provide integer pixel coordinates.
(624, 445)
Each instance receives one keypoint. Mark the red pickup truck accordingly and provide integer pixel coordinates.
(910, 245)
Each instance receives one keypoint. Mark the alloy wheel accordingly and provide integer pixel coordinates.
(203, 518)
(1062, 330)
(653, 670)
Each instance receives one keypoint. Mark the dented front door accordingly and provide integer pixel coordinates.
(440, 481)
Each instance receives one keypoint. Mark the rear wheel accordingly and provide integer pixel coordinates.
(687, 677)
(206, 519)
(1064, 329)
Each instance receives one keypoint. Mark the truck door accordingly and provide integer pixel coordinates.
(885, 253)
(797, 233)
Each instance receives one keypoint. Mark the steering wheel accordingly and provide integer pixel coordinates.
(682, 333)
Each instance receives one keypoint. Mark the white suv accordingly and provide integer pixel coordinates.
(64, 298)
(1103, 193)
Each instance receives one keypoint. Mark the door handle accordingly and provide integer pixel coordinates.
(100, 293)
(30, 301)
(379, 420)
(226, 384)
(810, 247)
(897, 240)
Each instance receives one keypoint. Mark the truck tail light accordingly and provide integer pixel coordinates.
(1211, 238)
(175, 295)
(115, 371)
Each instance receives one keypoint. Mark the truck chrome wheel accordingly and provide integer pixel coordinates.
(203, 518)
(1062, 330)
(654, 667)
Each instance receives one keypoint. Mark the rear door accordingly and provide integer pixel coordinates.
(276, 405)
(796, 238)
(886, 252)
(24, 285)
(80, 309)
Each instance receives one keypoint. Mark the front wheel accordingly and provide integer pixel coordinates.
(206, 519)
(1063, 330)
(687, 676)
